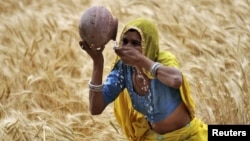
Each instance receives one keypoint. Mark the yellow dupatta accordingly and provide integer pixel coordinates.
(133, 123)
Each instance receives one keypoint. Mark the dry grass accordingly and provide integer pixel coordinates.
(43, 91)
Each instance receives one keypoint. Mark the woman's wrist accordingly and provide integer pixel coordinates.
(154, 68)
(97, 73)
(94, 87)
(142, 62)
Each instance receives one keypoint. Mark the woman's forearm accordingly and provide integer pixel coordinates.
(96, 100)
(168, 75)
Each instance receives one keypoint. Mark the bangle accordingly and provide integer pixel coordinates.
(96, 88)
(154, 68)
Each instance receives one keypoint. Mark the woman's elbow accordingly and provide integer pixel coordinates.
(177, 82)
(95, 111)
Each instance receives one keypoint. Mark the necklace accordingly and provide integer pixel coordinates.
(140, 82)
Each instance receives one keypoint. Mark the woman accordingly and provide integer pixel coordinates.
(152, 100)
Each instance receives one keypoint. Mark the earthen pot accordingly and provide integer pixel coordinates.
(97, 26)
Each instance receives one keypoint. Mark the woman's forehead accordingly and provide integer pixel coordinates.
(132, 34)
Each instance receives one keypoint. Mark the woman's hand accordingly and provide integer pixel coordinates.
(130, 55)
(94, 53)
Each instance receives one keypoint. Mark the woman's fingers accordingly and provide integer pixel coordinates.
(91, 49)
(83, 45)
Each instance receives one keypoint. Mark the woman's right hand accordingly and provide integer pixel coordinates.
(94, 53)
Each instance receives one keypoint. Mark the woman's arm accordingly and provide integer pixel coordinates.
(167, 75)
(133, 57)
(96, 99)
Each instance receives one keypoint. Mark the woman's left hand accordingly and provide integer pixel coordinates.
(129, 55)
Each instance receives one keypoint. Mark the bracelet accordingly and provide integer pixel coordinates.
(154, 68)
(96, 88)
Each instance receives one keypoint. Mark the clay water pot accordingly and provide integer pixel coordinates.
(97, 26)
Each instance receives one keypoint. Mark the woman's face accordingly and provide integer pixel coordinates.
(131, 38)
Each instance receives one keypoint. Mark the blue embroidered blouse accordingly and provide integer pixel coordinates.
(158, 104)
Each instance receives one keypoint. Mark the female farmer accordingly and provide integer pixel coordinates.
(152, 99)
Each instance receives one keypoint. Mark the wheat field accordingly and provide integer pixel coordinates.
(44, 73)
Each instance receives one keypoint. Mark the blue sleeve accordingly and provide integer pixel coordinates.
(114, 83)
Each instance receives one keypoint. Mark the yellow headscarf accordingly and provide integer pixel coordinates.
(149, 42)
(149, 38)
(126, 116)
